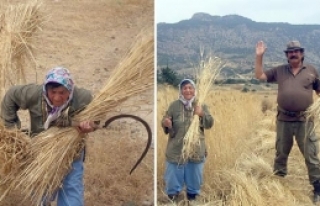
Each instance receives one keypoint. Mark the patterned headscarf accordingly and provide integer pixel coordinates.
(61, 76)
(187, 103)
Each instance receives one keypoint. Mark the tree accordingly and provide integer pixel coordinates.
(244, 89)
(167, 75)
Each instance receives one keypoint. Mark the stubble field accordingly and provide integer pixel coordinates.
(238, 169)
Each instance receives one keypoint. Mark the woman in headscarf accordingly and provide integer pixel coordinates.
(184, 171)
(52, 104)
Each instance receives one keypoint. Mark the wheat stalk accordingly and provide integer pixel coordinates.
(207, 72)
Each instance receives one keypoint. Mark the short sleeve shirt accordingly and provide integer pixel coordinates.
(295, 92)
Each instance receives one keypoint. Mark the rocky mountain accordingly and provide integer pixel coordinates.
(232, 38)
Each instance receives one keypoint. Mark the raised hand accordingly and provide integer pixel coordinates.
(260, 48)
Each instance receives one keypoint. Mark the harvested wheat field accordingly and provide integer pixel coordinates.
(90, 38)
(238, 169)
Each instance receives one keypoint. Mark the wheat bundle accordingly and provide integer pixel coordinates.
(19, 24)
(14, 147)
(313, 113)
(49, 160)
(207, 72)
(54, 150)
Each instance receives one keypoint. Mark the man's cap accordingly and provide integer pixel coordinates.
(294, 45)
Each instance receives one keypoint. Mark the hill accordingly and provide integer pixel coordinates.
(232, 38)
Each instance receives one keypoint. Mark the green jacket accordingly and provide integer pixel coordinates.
(29, 97)
(181, 120)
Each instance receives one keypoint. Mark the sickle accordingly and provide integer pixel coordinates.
(145, 124)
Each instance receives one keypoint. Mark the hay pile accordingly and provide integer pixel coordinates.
(18, 26)
(207, 72)
(54, 150)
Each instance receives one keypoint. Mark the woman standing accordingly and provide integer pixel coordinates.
(185, 171)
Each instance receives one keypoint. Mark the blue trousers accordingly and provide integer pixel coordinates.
(189, 174)
(72, 191)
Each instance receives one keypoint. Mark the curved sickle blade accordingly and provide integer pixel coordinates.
(145, 124)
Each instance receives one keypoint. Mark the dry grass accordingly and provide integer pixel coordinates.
(110, 180)
(267, 104)
(238, 169)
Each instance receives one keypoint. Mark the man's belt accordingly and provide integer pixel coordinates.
(290, 113)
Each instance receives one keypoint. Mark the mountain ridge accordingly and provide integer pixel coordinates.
(233, 39)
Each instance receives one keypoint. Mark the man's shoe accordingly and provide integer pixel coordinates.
(280, 173)
(316, 197)
(316, 191)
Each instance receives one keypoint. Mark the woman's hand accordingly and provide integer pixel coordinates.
(167, 122)
(86, 127)
(198, 111)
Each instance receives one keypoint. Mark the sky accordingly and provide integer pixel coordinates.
(293, 12)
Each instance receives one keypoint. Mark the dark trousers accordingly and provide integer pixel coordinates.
(308, 144)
